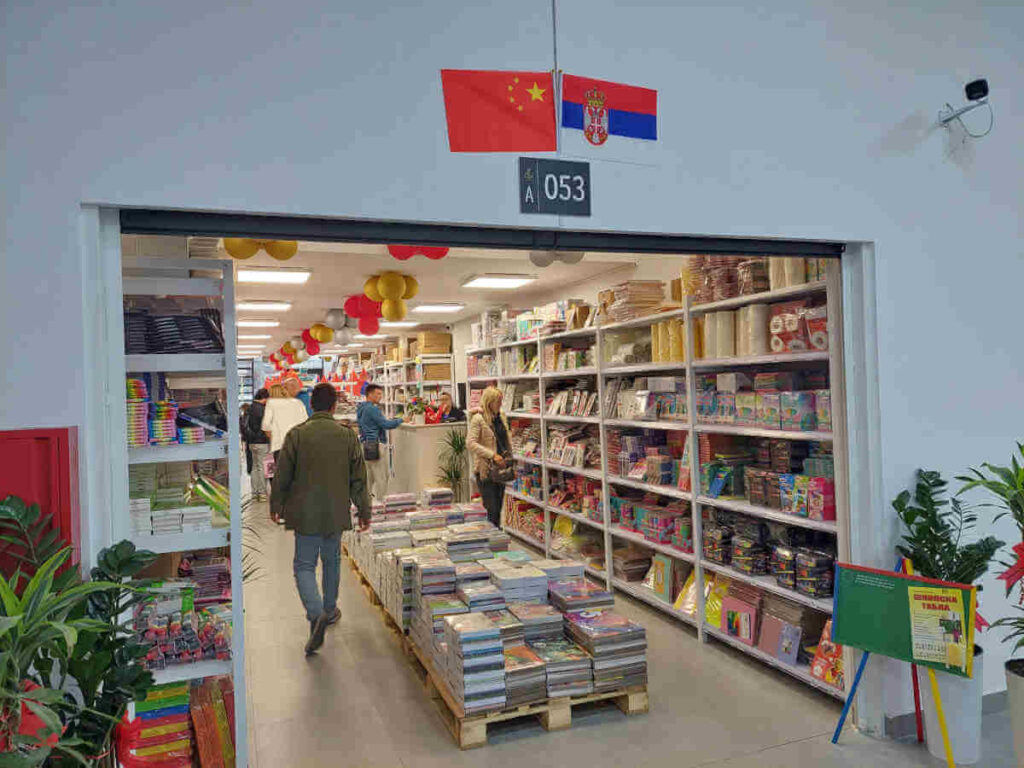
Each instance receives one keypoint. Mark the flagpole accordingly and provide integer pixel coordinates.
(556, 79)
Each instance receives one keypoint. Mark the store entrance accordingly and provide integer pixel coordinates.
(676, 425)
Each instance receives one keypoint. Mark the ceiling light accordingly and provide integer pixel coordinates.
(374, 336)
(289, 276)
(400, 324)
(257, 323)
(254, 336)
(265, 306)
(439, 308)
(498, 281)
(251, 346)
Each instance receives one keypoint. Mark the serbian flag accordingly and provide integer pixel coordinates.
(494, 111)
(601, 109)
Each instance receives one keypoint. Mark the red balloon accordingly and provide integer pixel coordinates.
(368, 307)
(438, 252)
(289, 359)
(401, 252)
(404, 252)
(352, 305)
(307, 337)
(313, 347)
(368, 326)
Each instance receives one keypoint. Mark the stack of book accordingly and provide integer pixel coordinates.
(510, 627)
(498, 540)
(399, 503)
(524, 584)
(560, 569)
(540, 622)
(568, 667)
(423, 519)
(525, 676)
(433, 575)
(476, 662)
(465, 542)
(428, 621)
(618, 647)
(471, 573)
(390, 540)
(438, 497)
(453, 515)
(390, 525)
(473, 511)
(632, 299)
(630, 563)
(578, 594)
(482, 597)
(421, 538)
(517, 556)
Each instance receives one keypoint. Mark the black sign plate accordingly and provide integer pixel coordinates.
(554, 186)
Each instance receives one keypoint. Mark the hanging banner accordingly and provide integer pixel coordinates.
(911, 618)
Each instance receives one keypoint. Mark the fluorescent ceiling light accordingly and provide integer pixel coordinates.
(498, 281)
(254, 335)
(251, 346)
(289, 276)
(400, 324)
(265, 306)
(257, 323)
(438, 308)
(374, 336)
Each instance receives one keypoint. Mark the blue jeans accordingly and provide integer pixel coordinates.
(307, 550)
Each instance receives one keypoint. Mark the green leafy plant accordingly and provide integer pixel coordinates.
(453, 469)
(1006, 484)
(39, 624)
(30, 538)
(251, 537)
(936, 531)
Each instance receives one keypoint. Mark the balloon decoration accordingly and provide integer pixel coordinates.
(335, 319)
(412, 287)
(394, 288)
(370, 289)
(394, 310)
(313, 348)
(246, 248)
(368, 325)
(297, 343)
(321, 332)
(547, 258)
(344, 336)
(404, 252)
(288, 349)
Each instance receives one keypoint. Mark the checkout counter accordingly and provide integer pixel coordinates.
(415, 451)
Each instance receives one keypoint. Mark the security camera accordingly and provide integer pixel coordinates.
(976, 89)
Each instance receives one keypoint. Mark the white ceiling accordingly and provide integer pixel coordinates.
(340, 269)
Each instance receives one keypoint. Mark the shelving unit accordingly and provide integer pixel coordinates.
(220, 371)
(690, 367)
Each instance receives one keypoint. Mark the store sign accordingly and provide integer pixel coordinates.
(559, 187)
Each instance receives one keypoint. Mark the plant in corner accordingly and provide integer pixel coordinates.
(453, 468)
(1005, 486)
(939, 542)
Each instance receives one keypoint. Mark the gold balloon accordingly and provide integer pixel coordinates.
(240, 247)
(288, 349)
(393, 310)
(282, 250)
(412, 287)
(301, 356)
(321, 332)
(391, 285)
(370, 289)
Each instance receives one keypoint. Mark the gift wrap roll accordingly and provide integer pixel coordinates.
(675, 338)
(664, 341)
(757, 329)
(796, 271)
(710, 335)
(777, 272)
(725, 334)
(655, 344)
(742, 332)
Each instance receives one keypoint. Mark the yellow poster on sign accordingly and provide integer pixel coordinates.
(937, 627)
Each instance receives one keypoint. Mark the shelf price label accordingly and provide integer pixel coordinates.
(560, 187)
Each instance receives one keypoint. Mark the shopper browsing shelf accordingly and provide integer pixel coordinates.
(320, 475)
(492, 455)
(373, 434)
(257, 444)
(282, 413)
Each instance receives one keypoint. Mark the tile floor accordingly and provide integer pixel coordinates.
(357, 704)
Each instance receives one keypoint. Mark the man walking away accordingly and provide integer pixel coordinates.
(258, 443)
(373, 434)
(320, 475)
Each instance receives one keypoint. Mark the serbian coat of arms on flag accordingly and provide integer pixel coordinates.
(601, 109)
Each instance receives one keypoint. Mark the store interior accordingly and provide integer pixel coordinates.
(615, 370)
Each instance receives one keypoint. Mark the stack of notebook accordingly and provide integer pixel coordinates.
(422, 519)
(568, 667)
(524, 584)
(438, 497)
(560, 569)
(471, 573)
(399, 503)
(510, 627)
(618, 647)
(465, 542)
(481, 597)
(433, 575)
(578, 594)
(525, 676)
(473, 511)
(475, 663)
(540, 622)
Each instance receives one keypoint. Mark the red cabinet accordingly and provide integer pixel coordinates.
(41, 466)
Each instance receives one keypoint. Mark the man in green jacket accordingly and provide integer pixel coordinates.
(320, 475)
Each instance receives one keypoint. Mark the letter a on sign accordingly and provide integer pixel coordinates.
(529, 196)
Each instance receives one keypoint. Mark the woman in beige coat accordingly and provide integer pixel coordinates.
(489, 444)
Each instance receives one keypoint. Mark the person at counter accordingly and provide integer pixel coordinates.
(445, 411)
(373, 434)
(492, 453)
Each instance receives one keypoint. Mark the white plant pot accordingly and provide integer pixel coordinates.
(961, 704)
(419, 419)
(1015, 694)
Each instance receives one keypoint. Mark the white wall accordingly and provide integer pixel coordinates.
(775, 119)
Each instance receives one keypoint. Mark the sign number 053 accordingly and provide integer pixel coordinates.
(560, 187)
(565, 187)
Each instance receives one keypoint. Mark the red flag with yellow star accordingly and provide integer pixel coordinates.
(494, 111)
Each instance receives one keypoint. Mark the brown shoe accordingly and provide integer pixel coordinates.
(317, 628)
(333, 618)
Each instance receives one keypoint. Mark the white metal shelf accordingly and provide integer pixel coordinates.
(801, 672)
(591, 473)
(573, 334)
(528, 460)
(778, 294)
(571, 374)
(637, 538)
(769, 584)
(784, 434)
(664, 490)
(583, 519)
(644, 595)
(572, 419)
(634, 368)
(519, 343)
(175, 363)
(518, 377)
(741, 505)
(736, 362)
(152, 454)
(668, 426)
(171, 286)
(524, 497)
(638, 322)
(480, 379)
(175, 673)
(526, 538)
(182, 542)
(478, 350)
(590, 570)
(522, 415)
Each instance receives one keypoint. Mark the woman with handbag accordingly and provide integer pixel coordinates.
(281, 413)
(489, 444)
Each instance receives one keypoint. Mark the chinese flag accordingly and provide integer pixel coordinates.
(493, 111)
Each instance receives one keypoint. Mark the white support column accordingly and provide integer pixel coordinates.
(694, 442)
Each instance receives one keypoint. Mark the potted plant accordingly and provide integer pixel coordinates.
(935, 543)
(1005, 485)
(417, 411)
(454, 467)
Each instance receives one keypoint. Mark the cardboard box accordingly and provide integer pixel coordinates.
(434, 343)
(436, 372)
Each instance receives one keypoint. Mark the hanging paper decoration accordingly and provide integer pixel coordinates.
(395, 288)
(390, 285)
(301, 356)
(246, 248)
(344, 336)
(368, 307)
(404, 252)
(307, 337)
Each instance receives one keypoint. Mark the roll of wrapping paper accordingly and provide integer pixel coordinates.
(777, 272)
(664, 341)
(757, 322)
(742, 332)
(795, 270)
(677, 352)
(710, 335)
(725, 334)
(655, 343)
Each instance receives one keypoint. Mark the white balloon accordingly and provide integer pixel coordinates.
(343, 336)
(351, 322)
(301, 356)
(570, 257)
(297, 342)
(335, 319)
(542, 258)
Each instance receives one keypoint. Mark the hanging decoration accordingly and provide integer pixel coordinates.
(405, 252)
(313, 348)
(246, 248)
(343, 336)
(394, 288)
(321, 332)
(297, 343)
(335, 319)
